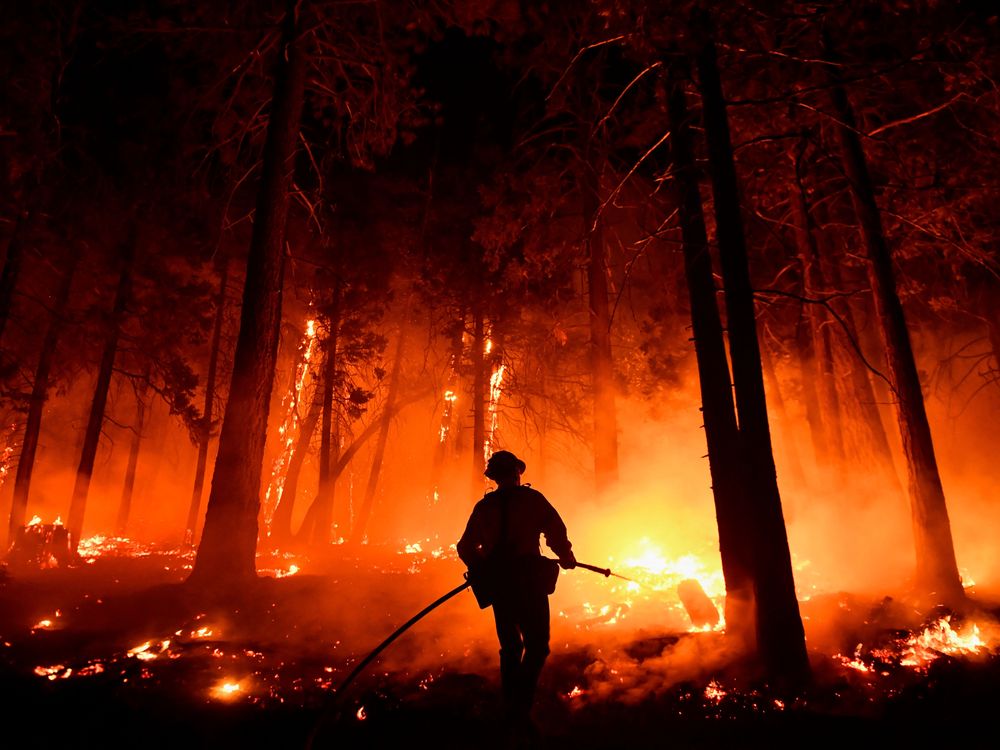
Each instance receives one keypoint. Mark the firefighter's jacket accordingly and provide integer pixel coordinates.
(528, 515)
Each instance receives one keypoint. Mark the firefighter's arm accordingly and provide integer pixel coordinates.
(470, 546)
(556, 538)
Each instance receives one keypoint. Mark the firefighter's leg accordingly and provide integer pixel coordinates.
(535, 627)
(511, 650)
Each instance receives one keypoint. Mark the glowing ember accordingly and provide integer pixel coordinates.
(361, 714)
(42, 625)
(576, 692)
(292, 570)
(227, 689)
(714, 692)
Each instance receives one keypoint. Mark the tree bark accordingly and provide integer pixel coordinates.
(780, 635)
(601, 364)
(788, 447)
(36, 406)
(725, 458)
(937, 569)
(92, 436)
(125, 504)
(361, 522)
(227, 553)
(205, 432)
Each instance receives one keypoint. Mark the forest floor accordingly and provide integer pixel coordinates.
(118, 653)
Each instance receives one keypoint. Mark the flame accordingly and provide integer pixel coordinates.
(228, 689)
(496, 389)
(714, 692)
(290, 425)
(938, 639)
(576, 692)
(361, 714)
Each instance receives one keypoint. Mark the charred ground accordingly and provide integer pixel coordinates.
(85, 663)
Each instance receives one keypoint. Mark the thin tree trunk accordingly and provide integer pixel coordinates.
(937, 569)
(92, 436)
(205, 432)
(125, 505)
(36, 406)
(281, 521)
(780, 635)
(725, 459)
(327, 449)
(361, 523)
(822, 346)
(12, 269)
(601, 363)
(448, 415)
(227, 553)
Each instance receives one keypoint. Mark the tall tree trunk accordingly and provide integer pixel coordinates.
(205, 428)
(125, 505)
(327, 448)
(601, 364)
(725, 458)
(281, 521)
(361, 523)
(227, 553)
(478, 399)
(780, 635)
(12, 269)
(937, 569)
(822, 346)
(39, 397)
(92, 436)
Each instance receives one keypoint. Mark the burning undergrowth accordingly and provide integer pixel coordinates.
(122, 622)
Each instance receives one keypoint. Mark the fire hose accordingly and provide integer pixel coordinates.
(339, 690)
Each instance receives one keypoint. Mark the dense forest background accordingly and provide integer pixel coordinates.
(281, 275)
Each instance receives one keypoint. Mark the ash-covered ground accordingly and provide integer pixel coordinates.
(117, 652)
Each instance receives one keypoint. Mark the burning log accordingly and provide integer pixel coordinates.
(699, 607)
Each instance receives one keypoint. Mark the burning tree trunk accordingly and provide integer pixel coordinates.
(725, 459)
(125, 505)
(92, 436)
(601, 363)
(450, 397)
(327, 447)
(361, 522)
(819, 330)
(228, 546)
(281, 521)
(205, 428)
(937, 569)
(780, 636)
(39, 396)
